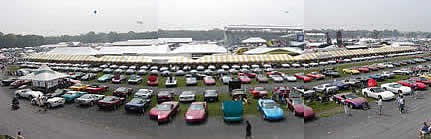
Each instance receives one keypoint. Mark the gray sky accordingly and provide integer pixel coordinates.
(56, 17)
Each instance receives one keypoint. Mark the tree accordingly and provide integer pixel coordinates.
(10, 40)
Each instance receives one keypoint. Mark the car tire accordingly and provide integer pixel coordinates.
(49, 105)
(365, 106)
(366, 95)
(91, 103)
(400, 92)
(350, 105)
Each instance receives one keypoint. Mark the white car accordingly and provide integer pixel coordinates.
(268, 69)
(306, 65)
(236, 67)
(171, 82)
(164, 69)
(325, 87)
(256, 70)
(144, 93)
(402, 72)
(375, 92)
(226, 79)
(276, 78)
(396, 88)
(332, 62)
(285, 65)
(89, 99)
(296, 65)
(28, 93)
(289, 78)
(245, 66)
(211, 67)
(225, 67)
(323, 63)
(200, 68)
(314, 64)
(267, 66)
(49, 102)
(255, 66)
(233, 71)
(187, 96)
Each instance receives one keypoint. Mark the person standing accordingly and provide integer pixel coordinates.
(380, 105)
(412, 91)
(401, 102)
(248, 130)
(346, 108)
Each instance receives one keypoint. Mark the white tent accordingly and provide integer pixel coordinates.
(44, 77)
(254, 40)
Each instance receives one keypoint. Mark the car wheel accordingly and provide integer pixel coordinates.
(49, 105)
(366, 95)
(18, 95)
(264, 117)
(91, 103)
(365, 106)
(384, 88)
(350, 105)
(400, 92)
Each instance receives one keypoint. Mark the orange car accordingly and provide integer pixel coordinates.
(79, 87)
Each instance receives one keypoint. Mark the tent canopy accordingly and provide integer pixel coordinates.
(44, 73)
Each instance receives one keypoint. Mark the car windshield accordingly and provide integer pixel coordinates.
(270, 105)
(243, 77)
(70, 93)
(94, 86)
(87, 96)
(297, 101)
(164, 107)
(58, 91)
(259, 89)
(121, 89)
(136, 101)
(187, 93)
(351, 96)
(397, 85)
(208, 78)
(211, 92)
(163, 93)
(196, 107)
(77, 85)
(108, 99)
(133, 77)
(378, 90)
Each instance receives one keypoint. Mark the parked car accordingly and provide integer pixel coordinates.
(171, 81)
(330, 72)
(7, 82)
(144, 94)
(375, 92)
(258, 92)
(270, 110)
(107, 70)
(276, 78)
(130, 71)
(226, 79)
(289, 78)
(377, 77)
(137, 105)
(27, 93)
(77, 75)
(190, 81)
(111, 102)
(49, 102)
(70, 96)
(78, 87)
(388, 75)
(352, 100)
(163, 96)
(325, 88)
(197, 112)
(105, 78)
(57, 93)
(210, 96)
(209, 80)
(350, 71)
(88, 76)
(250, 75)
(165, 111)
(119, 79)
(396, 88)
(123, 92)
(412, 84)
(402, 72)
(153, 80)
(421, 80)
(297, 105)
(19, 83)
(261, 78)
(180, 73)
(302, 77)
(135, 79)
(341, 85)
(96, 89)
(232, 111)
(316, 75)
(244, 79)
(89, 99)
(187, 96)
(142, 72)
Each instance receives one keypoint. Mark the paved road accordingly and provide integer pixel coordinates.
(73, 122)
(368, 125)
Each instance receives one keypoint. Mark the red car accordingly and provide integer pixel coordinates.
(303, 77)
(316, 75)
(244, 79)
(340, 61)
(412, 84)
(111, 102)
(272, 73)
(282, 90)
(96, 89)
(361, 69)
(197, 112)
(19, 83)
(153, 81)
(123, 92)
(250, 75)
(164, 112)
(421, 80)
(417, 56)
(258, 92)
(261, 78)
(373, 68)
(297, 105)
(119, 79)
(209, 80)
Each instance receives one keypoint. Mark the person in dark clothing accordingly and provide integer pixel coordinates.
(248, 130)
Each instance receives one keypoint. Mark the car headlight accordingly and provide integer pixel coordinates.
(189, 117)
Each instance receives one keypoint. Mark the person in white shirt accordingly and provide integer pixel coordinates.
(380, 105)
(401, 102)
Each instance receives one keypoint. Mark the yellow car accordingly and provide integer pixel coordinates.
(79, 87)
(426, 76)
(351, 71)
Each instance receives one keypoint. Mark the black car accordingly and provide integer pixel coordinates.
(330, 72)
(7, 82)
(137, 105)
(77, 75)
(377, 77)
(210, 96)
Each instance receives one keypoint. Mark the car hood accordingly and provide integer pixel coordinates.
(359, 100)
(273, 112)
(299, 108)
(55, 99)
(308, 111)
(195, 113)
(163, 113)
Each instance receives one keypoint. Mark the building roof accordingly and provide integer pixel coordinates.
(175, 40)
(254, 40)
(114, 50)
(143, 42)
(200, 48)
(73, 51)
(262, 50)
(44, 73)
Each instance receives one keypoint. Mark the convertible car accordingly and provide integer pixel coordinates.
(270, 109)
(352, 100)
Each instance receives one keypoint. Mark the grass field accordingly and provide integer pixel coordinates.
(13, 68)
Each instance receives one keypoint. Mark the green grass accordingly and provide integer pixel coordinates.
(13, 68)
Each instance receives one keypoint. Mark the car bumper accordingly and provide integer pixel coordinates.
(134, 109)
(232, 119)
(186, 99)
(194, 120)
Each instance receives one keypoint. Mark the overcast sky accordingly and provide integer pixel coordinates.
(56, 17)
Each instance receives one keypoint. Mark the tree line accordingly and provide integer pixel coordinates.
(17, 40)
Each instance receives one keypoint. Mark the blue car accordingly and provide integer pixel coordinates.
(377, 77)
(105, 78)
(270, 109)
(341, 85)
(137, 105)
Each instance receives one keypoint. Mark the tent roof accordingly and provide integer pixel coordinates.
(254, 40)
(44, 73)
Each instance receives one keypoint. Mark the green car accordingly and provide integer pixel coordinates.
(70, 96)
(105, 78)
(232, 111)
